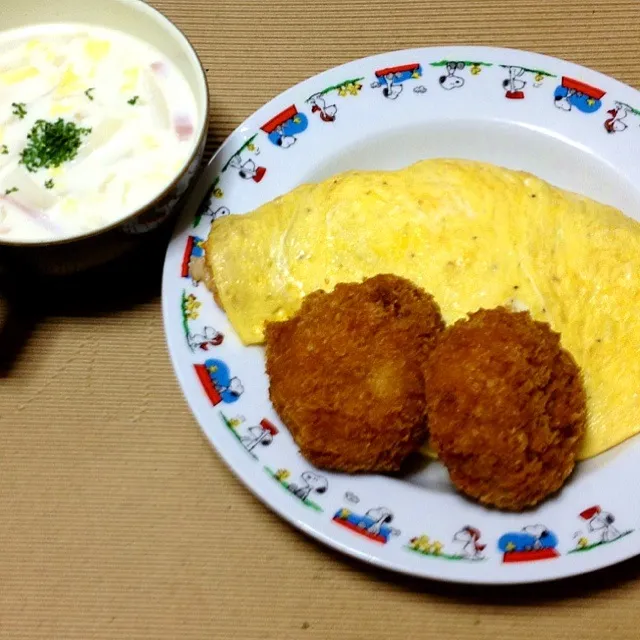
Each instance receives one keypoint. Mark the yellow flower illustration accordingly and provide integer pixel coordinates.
(539, 77)
(342, 92)
(511, 546)
(251, 146)
(218, 193)
(235, 422)
(352, 89)
(582, 543)
(297, 119)
(344, 513)
(192, 305)
(282, 474)
(421, 544)
(475, 69)
(591, 102)
(436, 548)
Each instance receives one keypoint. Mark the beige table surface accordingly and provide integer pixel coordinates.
(116, 518)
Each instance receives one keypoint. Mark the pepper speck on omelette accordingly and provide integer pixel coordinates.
(472, 234)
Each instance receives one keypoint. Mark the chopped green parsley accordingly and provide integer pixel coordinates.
(8, 192)
(133, 100)
(49, 184)
(89, 93)
(51, 144)
(19, 109)
(4, 150)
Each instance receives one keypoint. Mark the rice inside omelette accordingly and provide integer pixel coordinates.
(472, 234)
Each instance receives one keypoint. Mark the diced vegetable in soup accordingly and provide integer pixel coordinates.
(94, 124)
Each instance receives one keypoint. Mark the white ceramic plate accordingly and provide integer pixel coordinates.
(569, 125)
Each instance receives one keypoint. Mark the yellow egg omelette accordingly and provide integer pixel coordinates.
(472, 234)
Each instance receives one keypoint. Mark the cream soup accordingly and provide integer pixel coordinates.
(94, 124)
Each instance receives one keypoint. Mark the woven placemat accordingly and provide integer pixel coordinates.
(116, 518)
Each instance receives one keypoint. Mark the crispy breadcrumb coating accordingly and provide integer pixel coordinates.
(345, 374)
(506, 407)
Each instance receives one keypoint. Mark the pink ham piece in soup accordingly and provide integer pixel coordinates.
(160, 68)
(183, 126)
(33, 214)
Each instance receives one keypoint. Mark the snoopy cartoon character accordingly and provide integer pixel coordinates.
(234, 388)
(391, 90)
(283, 129)
(327, 112)
(215, 212)
(310, 482)
(531, 543)
(574, 93)
(541, 537)
(247, 170)
(451, 80)
(564, 101)
(391, 79)
(208, 338)
(374, 524)
(618, 116)
(513, 84)
(262, 434)
(469, 537)
(217, 382)
(601, 523)
(283, 139)
(375, 519)
(246, 167)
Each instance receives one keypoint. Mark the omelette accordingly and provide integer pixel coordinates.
(472, 234)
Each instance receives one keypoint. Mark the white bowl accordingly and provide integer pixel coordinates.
(138, 19)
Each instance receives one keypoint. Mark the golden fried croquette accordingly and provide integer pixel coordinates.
(506, 407)
(345, 373)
